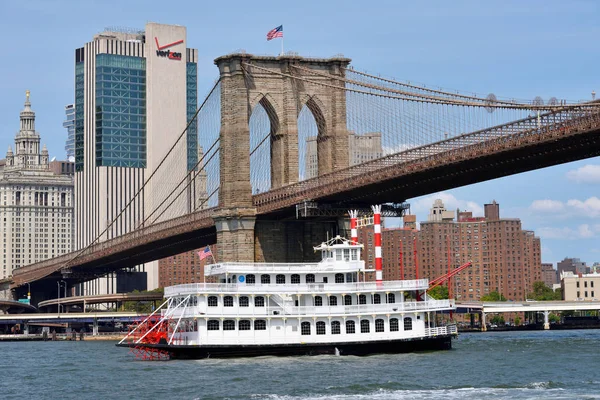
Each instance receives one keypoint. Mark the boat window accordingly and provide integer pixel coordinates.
(391, 298)
(394, 325)
(408, 324)
(229, 325)
(260, 325)
(295, 279)
(310, 278)
(250, 279)
(333, 300)
(347, 300)
(228, 301)
(338, 255)
(379, 325)
(212, 301)
(280, 279)
(335, 328)
(318, 301)
(305, 328)
(339, 278)
(330, 254)
(362, 299)
(354, 254)
(364, 326)
(350, 328)
(350, 277)
(320, 328)
(265, 279)
(244, 301)
(346, 254)
(259, 301)
(213, 325)
(377, 298)
(244, 325)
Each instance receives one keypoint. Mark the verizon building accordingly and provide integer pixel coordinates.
(135, 92)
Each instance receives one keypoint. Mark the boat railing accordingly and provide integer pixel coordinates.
(325, 265)
(259, 289)
(388, 308)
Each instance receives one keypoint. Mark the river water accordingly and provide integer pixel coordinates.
(493, 365)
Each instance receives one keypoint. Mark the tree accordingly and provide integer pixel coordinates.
(541, 292)
(498, 320)
(517, 320)
(439, 292)
(493, 296)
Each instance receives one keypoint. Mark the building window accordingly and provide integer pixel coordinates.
(408, 324)
(212, 301)
(229, 325)
(376, 299)
(394, 325)
(592, 293)
(244, 325)
(591, 283)
(335, 328)
(250, 279)
(350, 328)
(259, 301)
(228, 301)
(244, 301)
(265, 279)
(318, 301)
(577, 284)
(295, 279)
(280, 279)
(362, 299)
(347, 300)
(320, 328)
(585, 284)
(364, 326)
(578, 294)
(332, 300)
(391, 298)
(379, 326)
(586, 293)
(305, 328)
(213, 325)
(310, 278)
(260, 325)
(339, 278)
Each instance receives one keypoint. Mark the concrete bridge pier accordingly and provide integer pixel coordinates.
(26, 328)
(483, 325)
(95, 327)
(546, 321)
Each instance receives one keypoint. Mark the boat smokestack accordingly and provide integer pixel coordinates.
(353, 230)
(377, 234)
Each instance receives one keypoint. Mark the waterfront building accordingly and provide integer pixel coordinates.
(505, 258)
(135, 92)
(69, 125)
(574, 265)
(363, 148)
(549, 275)
(36, 209)
(580, 287)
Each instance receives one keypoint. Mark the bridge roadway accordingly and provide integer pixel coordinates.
(550, 139)
(7, 305)
(99, 299)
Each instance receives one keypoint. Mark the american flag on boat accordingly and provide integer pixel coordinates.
(205, 253)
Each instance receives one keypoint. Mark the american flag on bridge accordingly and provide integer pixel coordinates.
(275, 33)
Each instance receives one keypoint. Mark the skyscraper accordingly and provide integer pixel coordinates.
(36, 208)
(135, 92)
(69, 125)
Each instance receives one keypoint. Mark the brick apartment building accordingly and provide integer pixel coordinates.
(505, 257)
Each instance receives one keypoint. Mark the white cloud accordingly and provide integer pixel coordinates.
(583, 231)
(421, 207)
(547, 205)
(589, 207)
(587, 174)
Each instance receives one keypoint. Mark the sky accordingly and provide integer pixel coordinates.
(514, 49)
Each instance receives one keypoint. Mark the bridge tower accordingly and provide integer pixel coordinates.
(275, 83)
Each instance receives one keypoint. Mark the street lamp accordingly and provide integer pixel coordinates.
(28, 293)
(58, 290)
(60, 284)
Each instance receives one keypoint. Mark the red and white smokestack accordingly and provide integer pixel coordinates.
(353, 223)
(377, 231)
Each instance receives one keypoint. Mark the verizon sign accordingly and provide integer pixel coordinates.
(161, 52)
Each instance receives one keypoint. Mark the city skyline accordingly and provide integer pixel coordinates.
(437, 47)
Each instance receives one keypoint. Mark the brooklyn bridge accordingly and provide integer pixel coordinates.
(257, 192)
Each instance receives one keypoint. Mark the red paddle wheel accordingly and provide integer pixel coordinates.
(153, 330)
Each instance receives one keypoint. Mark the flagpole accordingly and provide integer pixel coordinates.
(281, 45)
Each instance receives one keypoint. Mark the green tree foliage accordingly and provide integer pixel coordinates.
(553, 318)
(493, 296)
(141, 306)
(439, 292)
(541, 292)
(498, 320)
(517, 320)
